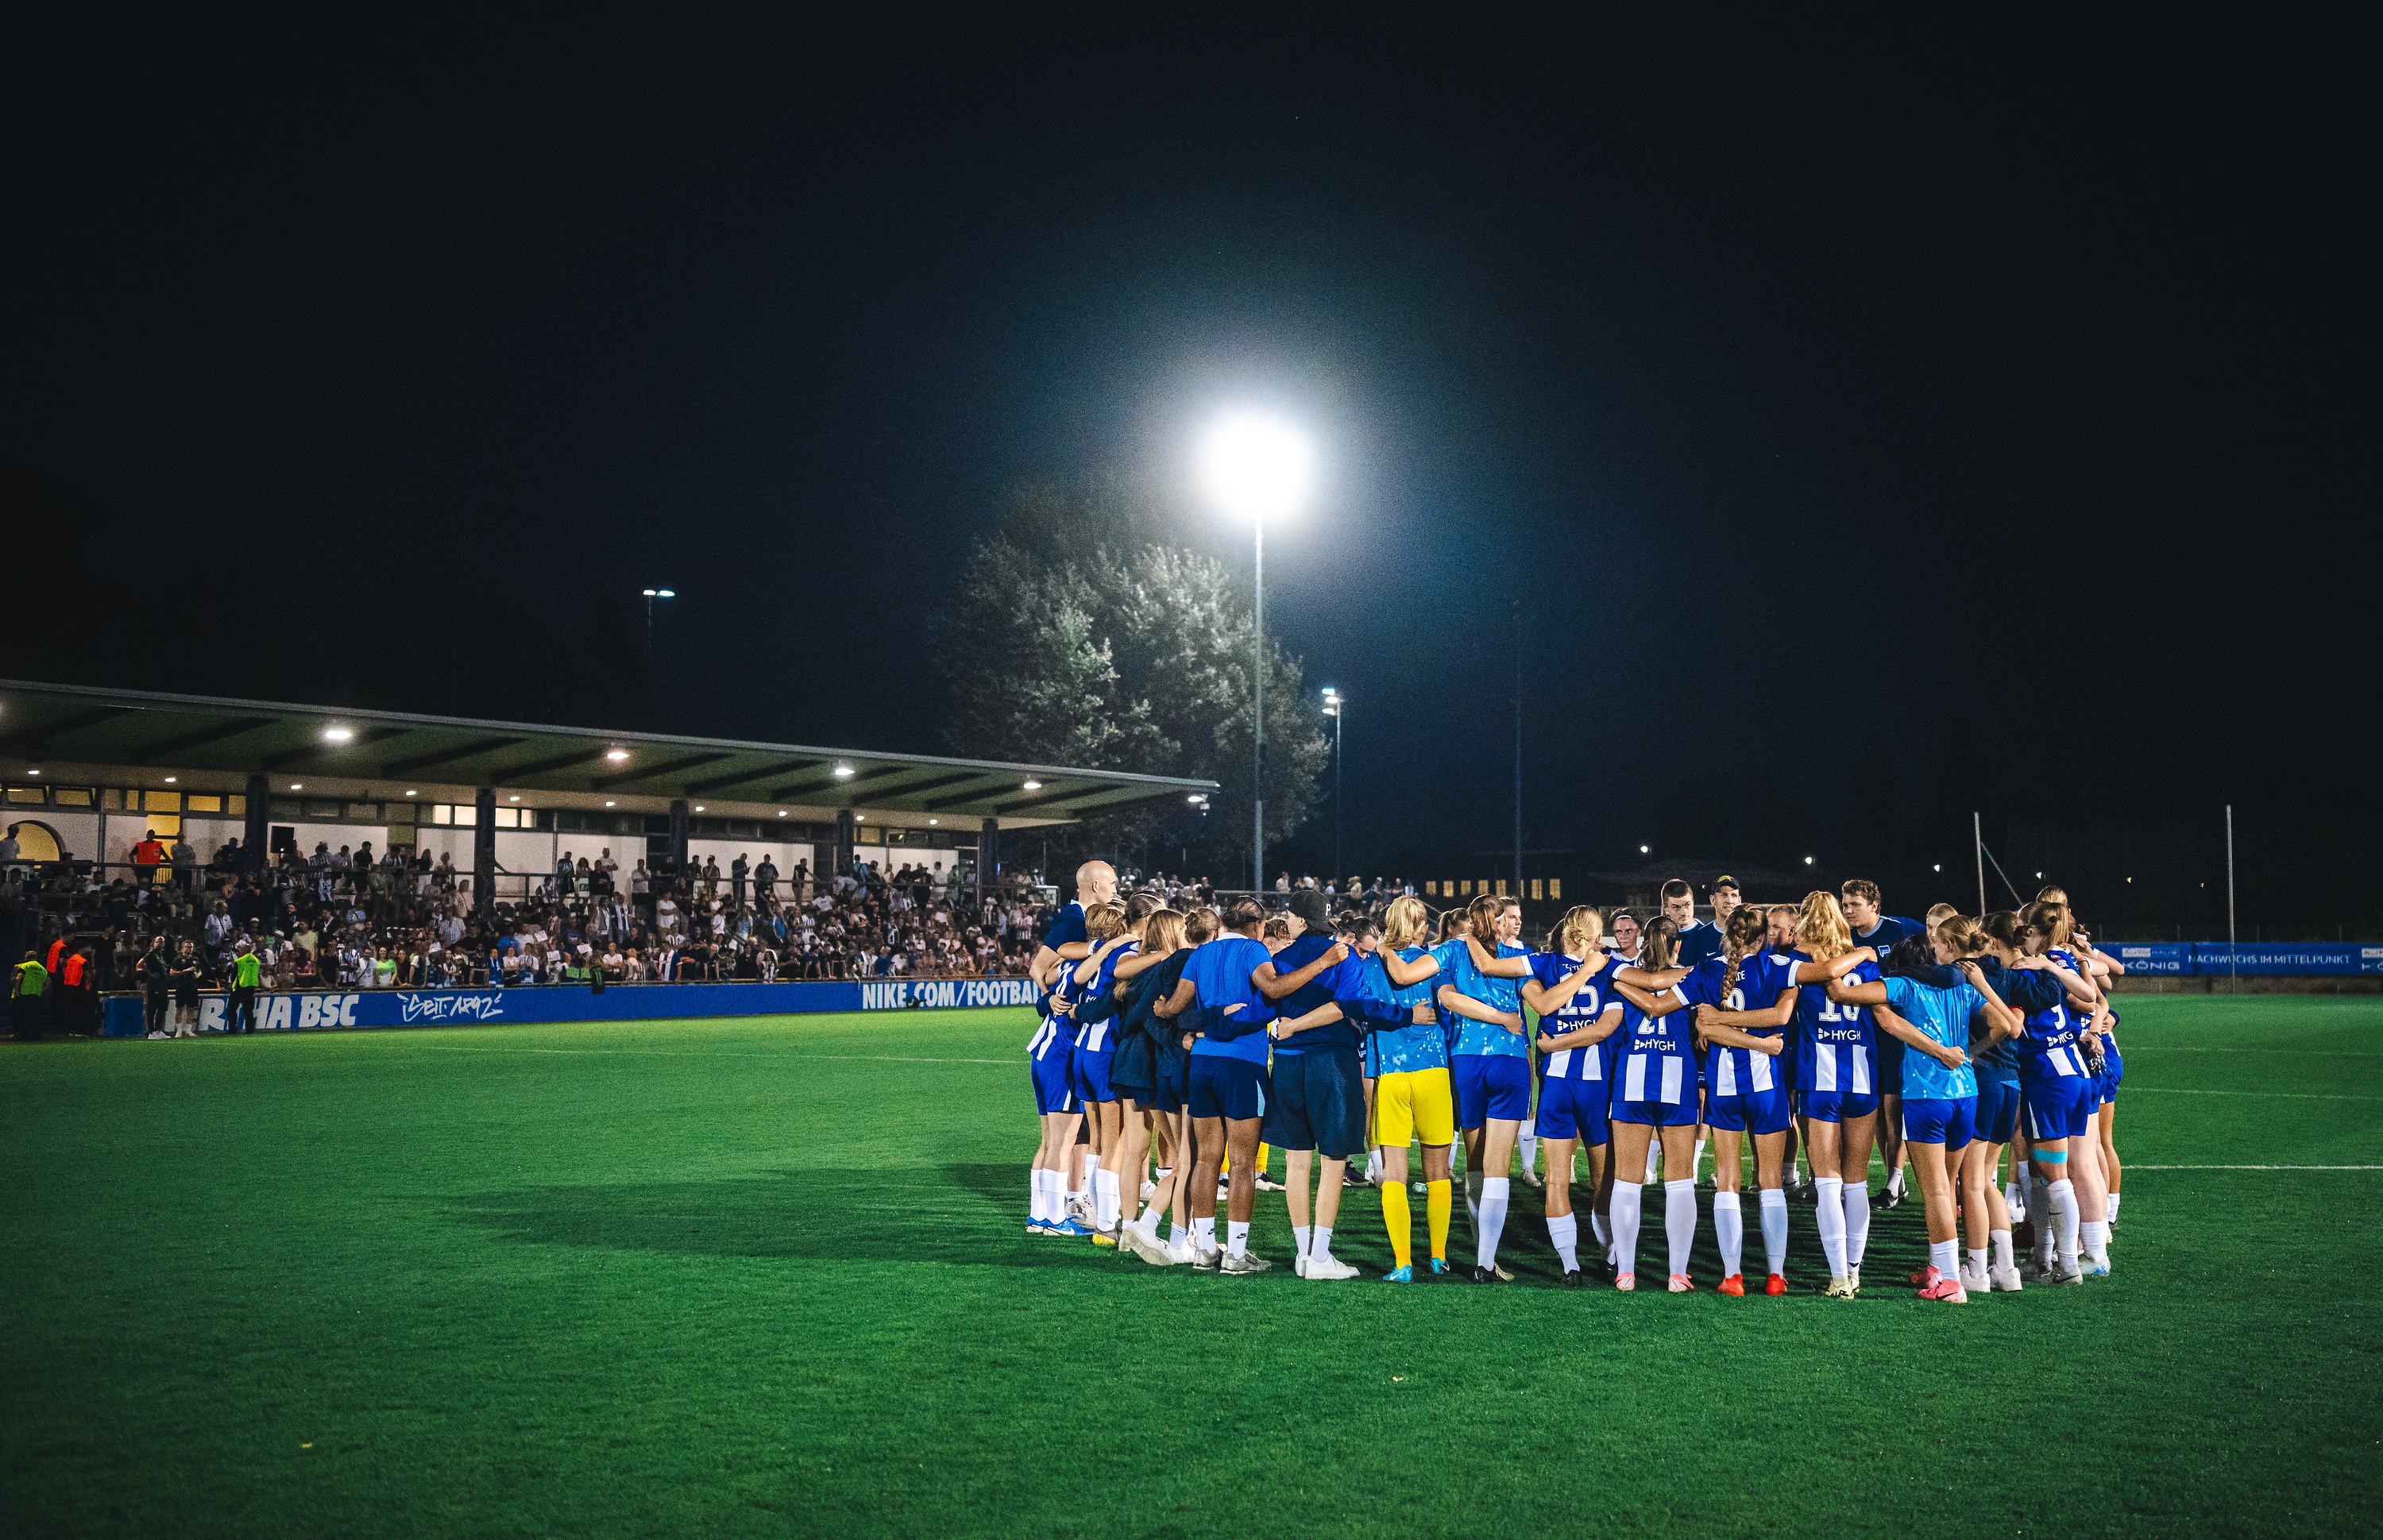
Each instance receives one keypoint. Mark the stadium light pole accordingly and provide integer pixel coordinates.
(1334, 706)
(1256, 467)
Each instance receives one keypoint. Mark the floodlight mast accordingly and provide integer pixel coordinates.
(1257, 466)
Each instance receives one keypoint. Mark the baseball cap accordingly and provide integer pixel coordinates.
(1724, 883)
(1308, 905)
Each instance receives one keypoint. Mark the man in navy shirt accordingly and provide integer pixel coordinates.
(1318, 1104)
(1698, 938)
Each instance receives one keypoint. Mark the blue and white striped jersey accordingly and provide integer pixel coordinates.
(2051, 1044)
(1761, 978)
(1587, 1007)
(1655, 1055)
(1835, 1046)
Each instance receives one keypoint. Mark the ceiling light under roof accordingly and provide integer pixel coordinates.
(338, 734)
(616, 755)
(781, 812)
(932, 822)
(516, 799)
(1033, 785)
(607, 805)
(843, 771)
(295, 786)
(171, 779)
(412, 794)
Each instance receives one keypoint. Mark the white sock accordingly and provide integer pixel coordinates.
(1322, 1245)
(2014, 1200)
(1530, 1143)
(1373, 1163)
(1978, 1260)
(1680, 1220)
(1564, 1229)
(2114, 1208)
(1941, 1255)
(1626, 1197)
(1204, 1233)
(1303, 1232)
(1598, 1227)
(1107, 1204)
(1175, 1235)
(1038, 1195)
(1830, 1211)
(1237, 1237)
(2062, 1197)
(1472, 1181)
(1773, 1202)
(1729, 1224)
(2001, 1241)
(1895, 1181)
(2095, 1235)
(1697, 1160)
(1654, 1148)
(1857, 1222)
(1493, 1221)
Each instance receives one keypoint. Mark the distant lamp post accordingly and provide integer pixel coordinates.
(1257, 467)
(1334, 706)
(652, 594)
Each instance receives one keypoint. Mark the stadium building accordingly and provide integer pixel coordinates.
(86, 775)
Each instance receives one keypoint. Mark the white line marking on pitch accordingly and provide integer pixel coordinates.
(2288, 1095)
(708, 1053)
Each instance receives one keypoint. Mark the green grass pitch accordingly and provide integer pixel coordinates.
(770, 1276)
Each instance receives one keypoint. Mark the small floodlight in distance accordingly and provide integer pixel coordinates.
(1037, 785)
(665, 593)
(1256, 466)
(1807, 860)
(649, 593)
(843, 771)
(338, 734)
(1940, 866)
(1642, 850)
(616, 755)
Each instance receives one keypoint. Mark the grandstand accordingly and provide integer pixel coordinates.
(364, 849)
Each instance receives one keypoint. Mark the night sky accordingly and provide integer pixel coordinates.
(1992, 411)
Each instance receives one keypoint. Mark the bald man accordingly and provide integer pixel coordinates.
(1065, 943)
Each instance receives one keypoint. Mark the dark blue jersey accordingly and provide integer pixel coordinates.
(1586, 1007)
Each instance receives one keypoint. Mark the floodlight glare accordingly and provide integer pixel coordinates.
(1807, 860)
(616, 755)
(649, 593)
(1256, 466)
(665, 593)
(1037, 785)
(338, 734)
(843, 771)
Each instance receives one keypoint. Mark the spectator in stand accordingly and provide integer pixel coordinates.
(765, 881)
(156, 984)
(220, 924)
(737, 870)
(147, 857)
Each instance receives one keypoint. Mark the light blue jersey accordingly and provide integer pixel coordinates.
(1484, 1039)
(1405, 1048)
(1944, 1016)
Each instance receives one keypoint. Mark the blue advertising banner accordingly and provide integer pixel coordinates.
(2287, 957)
(2153, 958)
(323, 1010)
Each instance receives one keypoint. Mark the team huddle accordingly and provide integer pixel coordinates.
(1827, 1029)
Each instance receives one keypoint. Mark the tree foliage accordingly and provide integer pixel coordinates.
(1079, 637)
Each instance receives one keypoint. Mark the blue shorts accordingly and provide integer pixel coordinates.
(1760, 1112)
(1055, 1085)
(1951, 1122)
(1172, 1070)
(1997, 1109)
(1661, 1114)
(1089, 1078)
(1837, 1106)
(1491, 1086)
(1574, 1109)
(1228, 1088)
(1318, 1102)
(2059, 1107)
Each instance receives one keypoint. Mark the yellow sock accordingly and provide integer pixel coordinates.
(1400, 1220)
(1259, 1167)
(1438, 1198)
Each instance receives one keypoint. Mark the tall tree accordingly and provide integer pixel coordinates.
(1078, 638)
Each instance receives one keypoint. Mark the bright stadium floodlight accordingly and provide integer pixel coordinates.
(338, 734)
(1256, 467)
(1940, 866)
(843, 771)
(616, 755)
(1642, 850)
(1033, 785)
(1807, 860)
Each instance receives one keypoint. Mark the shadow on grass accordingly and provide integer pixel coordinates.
(959, 1214)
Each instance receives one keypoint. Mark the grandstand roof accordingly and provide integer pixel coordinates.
(209, 744)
